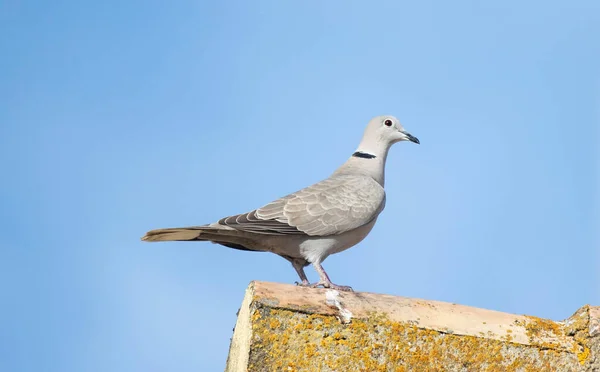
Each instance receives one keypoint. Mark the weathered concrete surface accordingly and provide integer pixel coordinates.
(288, 328)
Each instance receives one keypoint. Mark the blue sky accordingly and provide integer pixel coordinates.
(119, 117)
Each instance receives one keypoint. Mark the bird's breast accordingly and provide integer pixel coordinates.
(319, 248)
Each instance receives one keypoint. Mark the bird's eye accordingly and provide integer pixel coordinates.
(388, 122)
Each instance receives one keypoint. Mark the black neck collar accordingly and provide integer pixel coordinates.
(364, 155)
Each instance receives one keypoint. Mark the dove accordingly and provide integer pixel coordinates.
(311, 224)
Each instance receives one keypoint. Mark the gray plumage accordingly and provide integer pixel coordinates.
(307, 226)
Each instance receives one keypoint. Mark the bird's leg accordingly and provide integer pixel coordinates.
(299, 266)
(325, 281)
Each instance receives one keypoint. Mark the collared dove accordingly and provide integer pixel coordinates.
(307, 226)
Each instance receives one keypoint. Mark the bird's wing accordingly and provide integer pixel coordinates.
(331, 207)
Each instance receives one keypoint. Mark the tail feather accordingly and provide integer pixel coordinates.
(173, 234)
(215, 234)
(223, 236)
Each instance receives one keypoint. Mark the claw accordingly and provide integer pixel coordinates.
(343, 288)
(330, 285)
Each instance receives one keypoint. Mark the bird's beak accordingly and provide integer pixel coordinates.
(410, 137)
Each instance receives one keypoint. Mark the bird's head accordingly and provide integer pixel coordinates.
(387, 130)
(382, 132)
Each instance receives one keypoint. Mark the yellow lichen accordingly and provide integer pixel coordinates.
(584, 355)
(288, 340)
(274, 323)
(540, 330)
(577, 326)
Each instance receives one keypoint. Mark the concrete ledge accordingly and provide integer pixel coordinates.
(283, 327)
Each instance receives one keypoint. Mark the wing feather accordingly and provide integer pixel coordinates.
(330, 207)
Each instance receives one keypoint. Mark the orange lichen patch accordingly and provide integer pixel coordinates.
(274, 323)
(508, 338)
(577, 326)
(541, 327)
(292, 341)
(256, 316)
(584, 355)
(540, 330)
